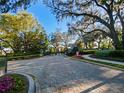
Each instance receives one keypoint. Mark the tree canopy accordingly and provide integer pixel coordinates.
(14, 5)
(22, 32)
(96, 14)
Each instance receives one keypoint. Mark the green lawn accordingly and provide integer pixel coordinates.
(116, 66)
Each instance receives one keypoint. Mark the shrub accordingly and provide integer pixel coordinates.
(23, 57)
(117, 53)
(102, 53)
(13, 83)
(24, 54)
(71, 52)
(110, 53)
(6, 84)
(87, 52)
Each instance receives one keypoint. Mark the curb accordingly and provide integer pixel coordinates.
(31, 84)
(87, 57)
(37, 86)
(88, 61)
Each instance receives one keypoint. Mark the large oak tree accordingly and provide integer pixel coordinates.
(105, 13)
(22, 32)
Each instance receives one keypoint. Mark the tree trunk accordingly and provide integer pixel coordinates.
(99, 44)
(123, 39)
(86, 46)
(122, 23)
(114, 37)
(116, 42)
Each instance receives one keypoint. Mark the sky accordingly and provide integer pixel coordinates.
(46, 18)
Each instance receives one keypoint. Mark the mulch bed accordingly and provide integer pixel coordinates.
(79, 57)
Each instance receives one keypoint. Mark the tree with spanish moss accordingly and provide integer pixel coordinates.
(105, 13)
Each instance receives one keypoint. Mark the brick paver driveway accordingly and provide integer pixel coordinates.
(59, 74)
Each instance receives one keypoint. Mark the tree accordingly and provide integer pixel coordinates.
(66, 39)
(106, 13)
(56, 38)
(79, 44)
(22, 32)
(14, 5)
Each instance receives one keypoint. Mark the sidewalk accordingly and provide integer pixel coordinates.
(102, 60)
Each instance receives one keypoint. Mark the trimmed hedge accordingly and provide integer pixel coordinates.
(81, 52)
(117, 53)
(87, 52)
(102, 53)
(110, 53)
(23, 57)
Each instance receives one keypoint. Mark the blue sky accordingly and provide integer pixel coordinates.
(46, 18)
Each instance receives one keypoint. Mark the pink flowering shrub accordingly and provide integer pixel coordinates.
(6, 84)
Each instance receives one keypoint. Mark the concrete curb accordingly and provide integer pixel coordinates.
(31, 84)
(102, 60)
(37, 86)
(99, 64)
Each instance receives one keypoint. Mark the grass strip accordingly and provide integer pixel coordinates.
(100, 63)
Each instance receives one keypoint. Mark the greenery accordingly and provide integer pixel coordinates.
(20, 83)
(110, 53)
(59, 41)
(14, 5)
(83, 52)
(117, 66)
(102, 53)
(89, 19)
(21, 57)
(71, 52)
(108, 64)
(2, 62)
(22, 33)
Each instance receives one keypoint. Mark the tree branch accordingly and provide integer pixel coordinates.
(96, 2)
(93, 16)
(95, 30)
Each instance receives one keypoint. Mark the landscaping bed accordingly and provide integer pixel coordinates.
(13, 83)
(114, 55)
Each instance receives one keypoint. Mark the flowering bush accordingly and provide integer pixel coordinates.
(6, 83)
(13, 83)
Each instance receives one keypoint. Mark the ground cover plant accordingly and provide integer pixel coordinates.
(13, 83)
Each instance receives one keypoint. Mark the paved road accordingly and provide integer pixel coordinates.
(59, 74)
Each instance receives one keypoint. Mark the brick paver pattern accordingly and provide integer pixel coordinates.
(59, 74)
